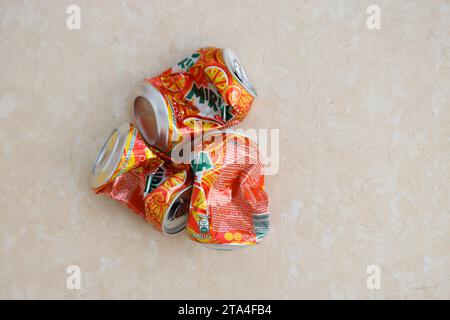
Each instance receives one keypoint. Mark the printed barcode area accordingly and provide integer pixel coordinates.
(235, 197)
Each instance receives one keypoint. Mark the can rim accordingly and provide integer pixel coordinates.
(172, 231)
(233, 63)
(102, 172)
(227, 247)
(157, 107)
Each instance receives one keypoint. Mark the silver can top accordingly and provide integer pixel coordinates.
(176, 218)
(151, 116)
(234, 65)
(109, 156)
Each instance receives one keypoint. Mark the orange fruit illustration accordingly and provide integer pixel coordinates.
(228, 236)
(233, 94)
(217, 76)
(174, 82)
(237, 236)
(199, 124)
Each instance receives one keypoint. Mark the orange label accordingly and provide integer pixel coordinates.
(144, 182)
(228, 195)
(202, 88)
(158, 202)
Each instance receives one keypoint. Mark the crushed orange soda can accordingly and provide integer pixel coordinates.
(129, 171)
(209, 87)
(229, 206)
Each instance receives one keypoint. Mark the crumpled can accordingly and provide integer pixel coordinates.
(208, 90)
(142, 179)
(229, 206)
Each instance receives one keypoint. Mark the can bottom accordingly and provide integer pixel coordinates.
(226, 247)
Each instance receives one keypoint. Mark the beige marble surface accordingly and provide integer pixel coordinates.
(364, 119)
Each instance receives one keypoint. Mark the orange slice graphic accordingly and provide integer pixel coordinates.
(195, 123)
(233, 94)
(174, 82)
(217, 76)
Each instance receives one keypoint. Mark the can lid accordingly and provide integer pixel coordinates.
(151, 116)
(234, 65)
(109, 156)
(177, 214)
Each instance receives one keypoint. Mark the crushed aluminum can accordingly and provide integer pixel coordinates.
(229, 206)
(130, 172)
(208, 90)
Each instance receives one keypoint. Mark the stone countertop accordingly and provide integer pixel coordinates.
(363, 182)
